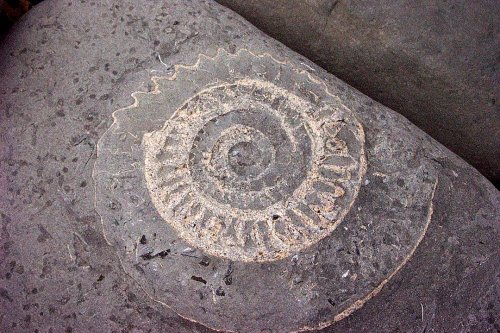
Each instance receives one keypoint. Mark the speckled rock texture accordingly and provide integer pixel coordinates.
(86, 247)
(435, 62)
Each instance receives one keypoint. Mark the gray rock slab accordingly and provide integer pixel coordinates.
(166, 167)
(435, 63)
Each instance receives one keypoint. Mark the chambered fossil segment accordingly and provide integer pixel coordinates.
(250, 163)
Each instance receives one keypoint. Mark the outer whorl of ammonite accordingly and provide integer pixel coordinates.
(250, 171)
(244, 195)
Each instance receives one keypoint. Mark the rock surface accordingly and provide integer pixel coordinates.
(434, 62)
(85, 248)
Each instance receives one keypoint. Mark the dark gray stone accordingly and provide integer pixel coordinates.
(89, 243)
(435, 63)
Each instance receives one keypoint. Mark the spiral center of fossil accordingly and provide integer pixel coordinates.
(239, 153)
(244, 155)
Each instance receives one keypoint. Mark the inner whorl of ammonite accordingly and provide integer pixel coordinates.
(249, 171)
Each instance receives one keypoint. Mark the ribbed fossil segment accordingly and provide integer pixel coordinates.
(242, 185)
(249, 171)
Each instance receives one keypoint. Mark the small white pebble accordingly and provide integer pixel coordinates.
(345, 274)
(154, 266)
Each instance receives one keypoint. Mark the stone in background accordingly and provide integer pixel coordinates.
(435, 62)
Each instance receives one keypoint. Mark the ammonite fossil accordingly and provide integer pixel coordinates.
(237, 186)
(249, 171)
